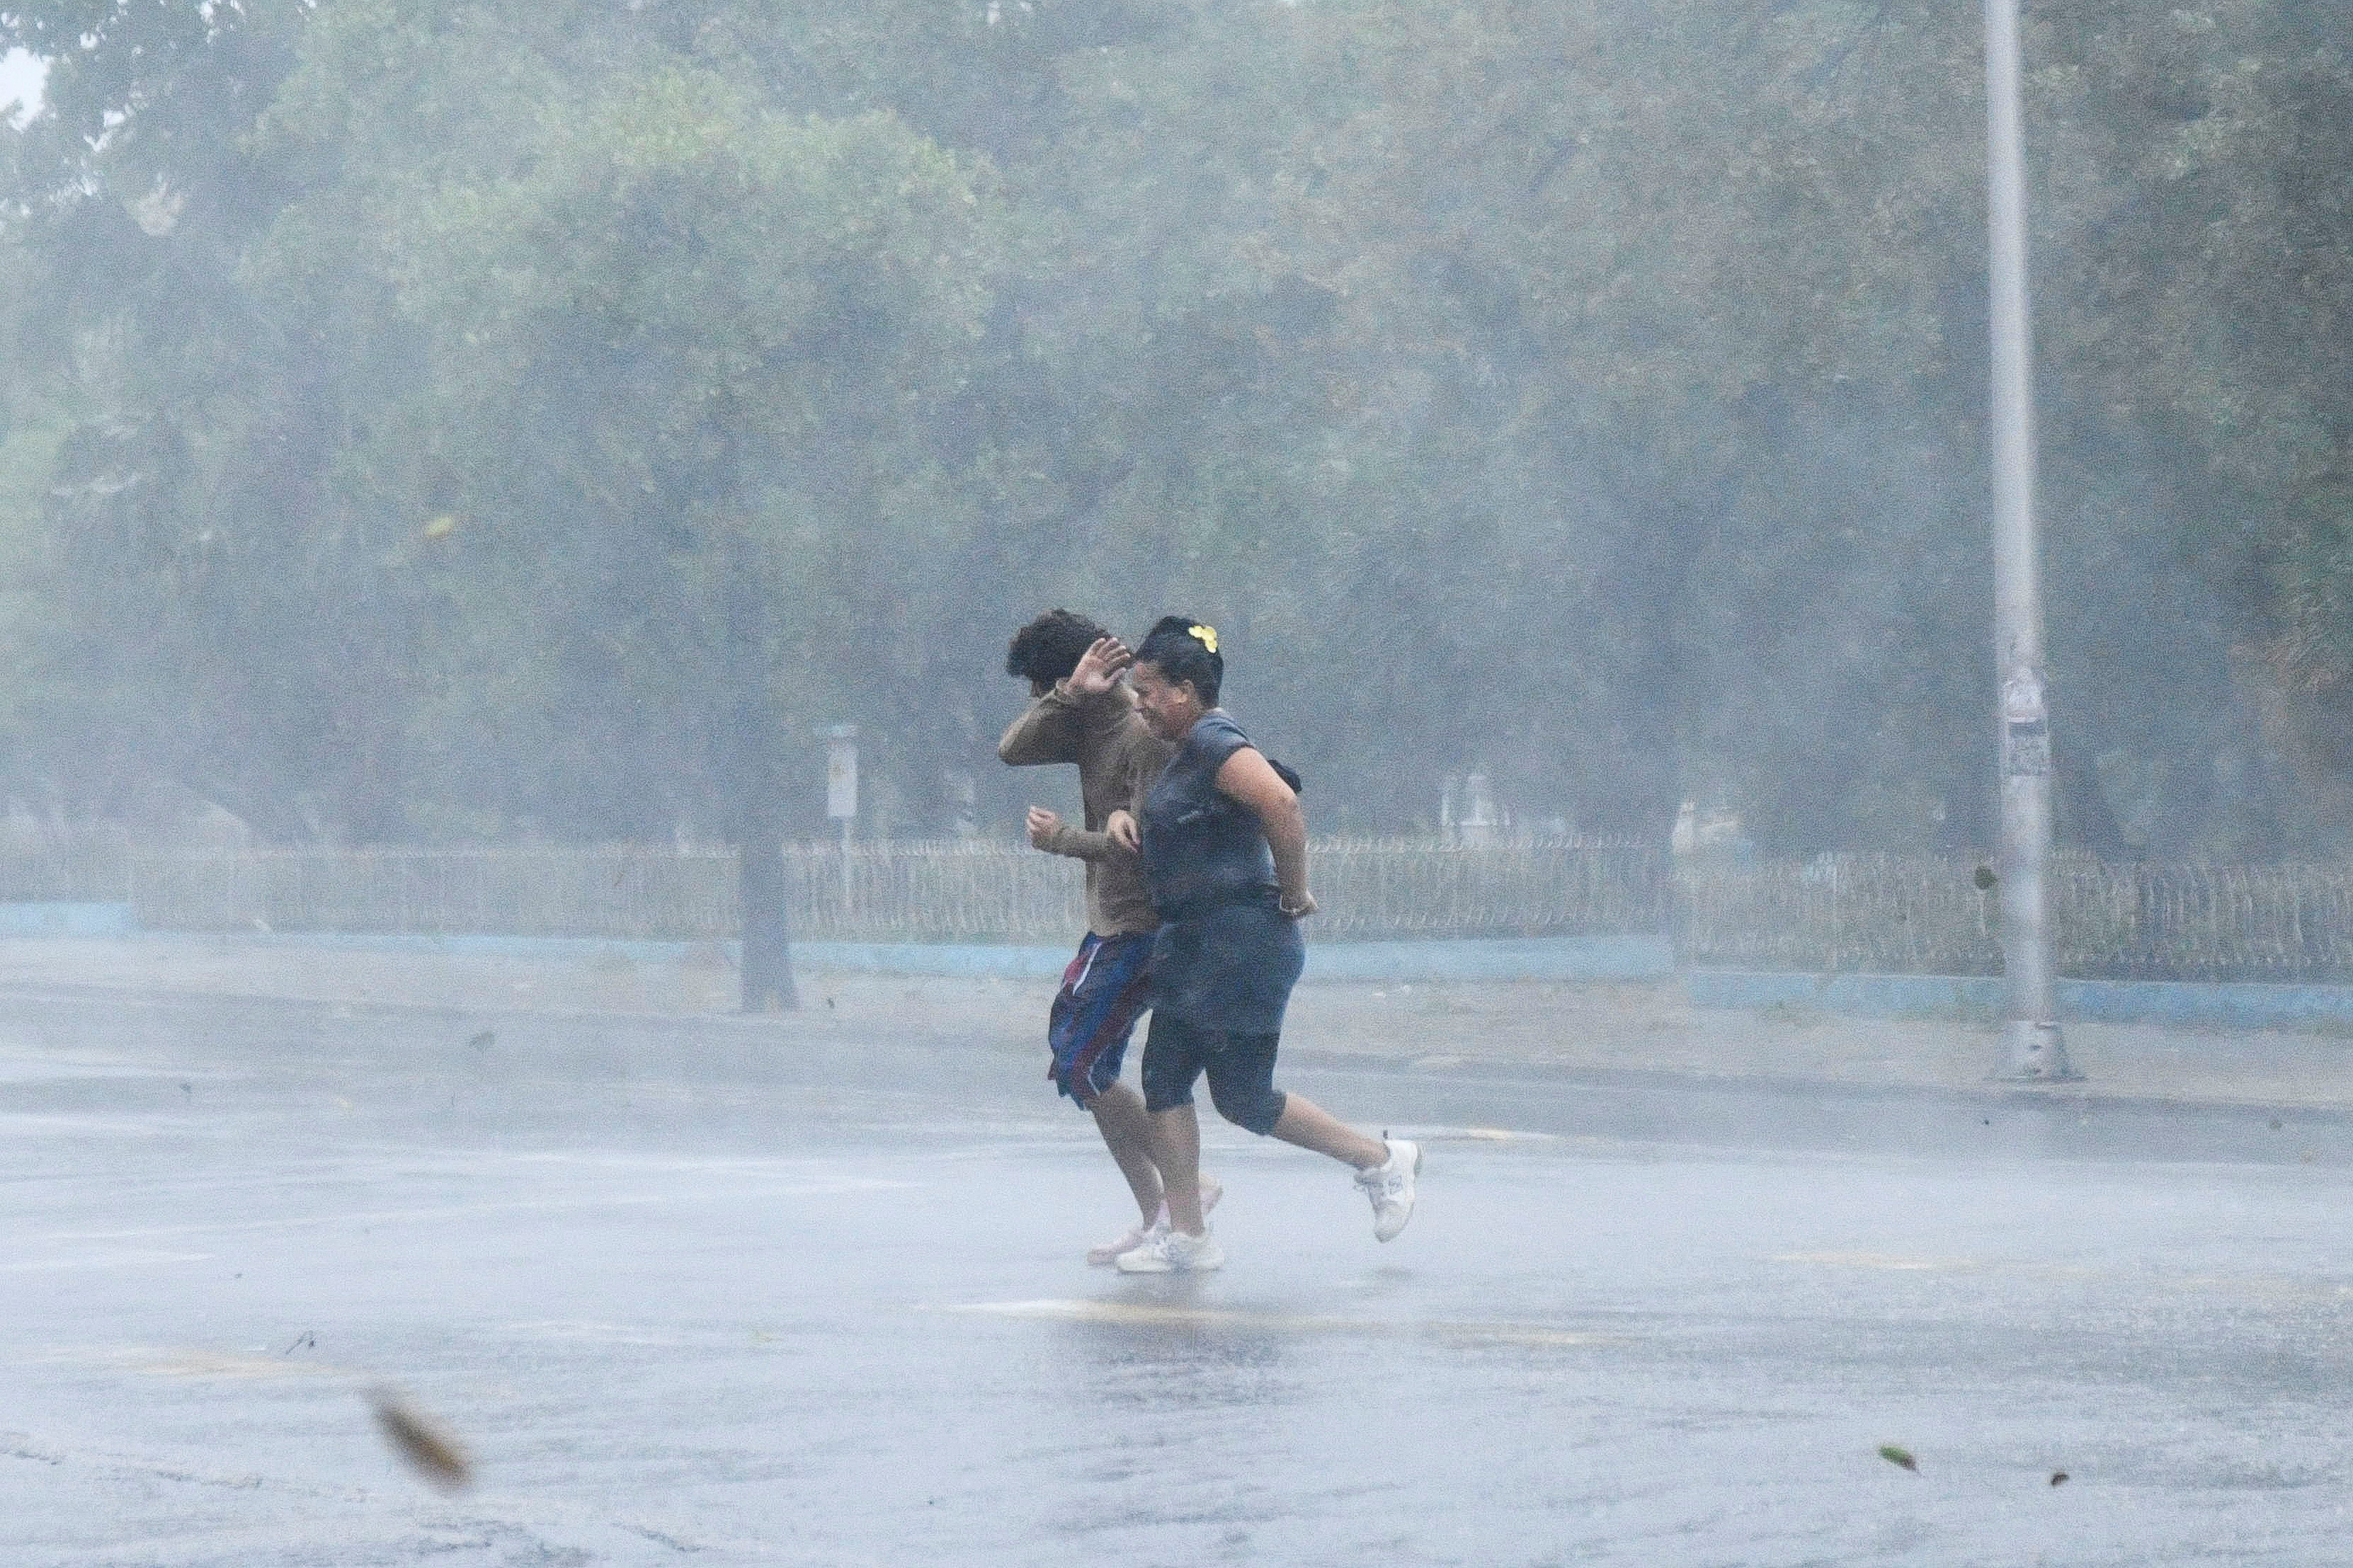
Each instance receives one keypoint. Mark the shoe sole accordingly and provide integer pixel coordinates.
(1105, 1258)
(1176, 1267)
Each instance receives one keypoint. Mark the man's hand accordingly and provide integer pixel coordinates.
(1043, 826)
(1298, 909)
(1098, 668)
(1121, 826)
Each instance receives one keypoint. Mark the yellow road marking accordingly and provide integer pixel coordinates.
(162, 1361)
(1474, 1135)
(1885, 1260)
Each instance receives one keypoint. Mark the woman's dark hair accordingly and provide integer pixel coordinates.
(1182, 648)
(1050, 647)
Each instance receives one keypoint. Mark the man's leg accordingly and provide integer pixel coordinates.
(1127, 1133)
(1096, 1014)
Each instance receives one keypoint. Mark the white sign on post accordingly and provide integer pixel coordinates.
(2025, 727)
(842, 773)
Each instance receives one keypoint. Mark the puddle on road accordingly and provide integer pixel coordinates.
(2272, 1288)
(1143, 1314)
(1887, 1260)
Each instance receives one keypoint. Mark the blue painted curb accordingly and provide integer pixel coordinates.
(2245, 1004)
(878, 957)
(1565, 957)
(1560, 959)
(1584, 958)
(464, 944)
(66, 920)
(1535, 958)
(974, 960)
(1866, 995)
(2238, 1004)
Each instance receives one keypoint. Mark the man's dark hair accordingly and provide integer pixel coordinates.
(1050, 647)
(1180, 648)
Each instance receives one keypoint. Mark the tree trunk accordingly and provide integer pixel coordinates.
(2085, 818)
(767, 937)
(755, 788)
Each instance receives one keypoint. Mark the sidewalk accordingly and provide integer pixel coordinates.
(1645, 1027)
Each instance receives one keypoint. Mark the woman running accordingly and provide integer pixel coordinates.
(1225, 859)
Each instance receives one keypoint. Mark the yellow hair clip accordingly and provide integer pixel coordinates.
(1208, 636)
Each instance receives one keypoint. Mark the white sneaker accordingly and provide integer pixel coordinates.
(1138, 1234)
(1390, 1187)
(1108, 1253)
(1174, 1252)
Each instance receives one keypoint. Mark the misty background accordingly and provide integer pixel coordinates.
(439, 424)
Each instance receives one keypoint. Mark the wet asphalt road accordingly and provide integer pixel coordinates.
(695, 1294)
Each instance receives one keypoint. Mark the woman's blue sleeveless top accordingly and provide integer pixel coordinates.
(1225, 957)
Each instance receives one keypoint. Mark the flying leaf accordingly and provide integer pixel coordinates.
(429, 1449)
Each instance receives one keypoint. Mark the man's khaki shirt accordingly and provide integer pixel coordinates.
(1118, 759)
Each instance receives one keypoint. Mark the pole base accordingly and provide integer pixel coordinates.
(2038, 1054)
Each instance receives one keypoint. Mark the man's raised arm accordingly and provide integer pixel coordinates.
(1047, 732)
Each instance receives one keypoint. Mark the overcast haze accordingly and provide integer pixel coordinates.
(1589, 398)
(526, 980)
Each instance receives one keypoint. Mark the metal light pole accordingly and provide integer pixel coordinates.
(2037, 1052)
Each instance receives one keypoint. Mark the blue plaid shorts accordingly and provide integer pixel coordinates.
(1104, 993)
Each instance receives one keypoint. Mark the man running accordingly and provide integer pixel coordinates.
(1080, 712)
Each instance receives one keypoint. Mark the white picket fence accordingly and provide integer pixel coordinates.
(1927, 915)
(908, 892)
(1916, 914)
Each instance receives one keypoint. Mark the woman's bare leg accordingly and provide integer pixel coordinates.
(1308, 1125)
(1177, 1149)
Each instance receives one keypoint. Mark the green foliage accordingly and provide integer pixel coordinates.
(694, 347)
(458, 418)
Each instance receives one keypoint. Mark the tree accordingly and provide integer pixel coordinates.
(444, 407)
(683, 365)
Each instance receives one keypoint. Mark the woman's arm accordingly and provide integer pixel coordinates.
(1249, 778)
